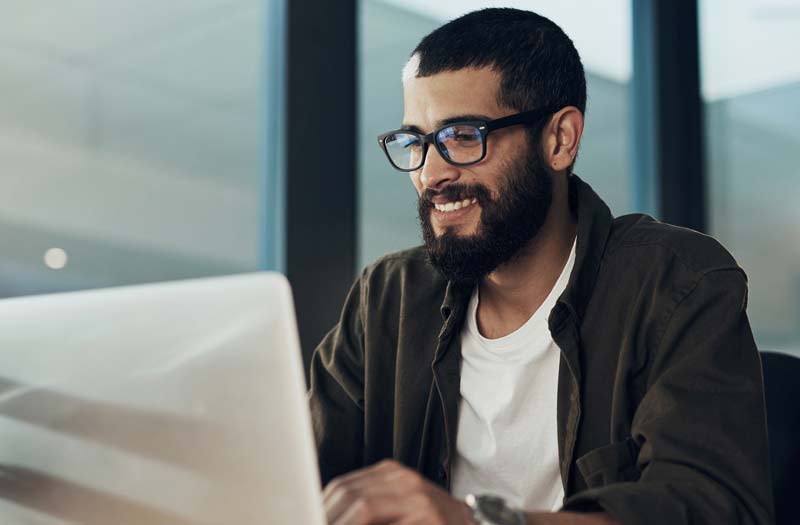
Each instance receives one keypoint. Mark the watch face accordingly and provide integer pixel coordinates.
(495, 510)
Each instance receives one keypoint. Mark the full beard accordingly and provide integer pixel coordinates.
(507, 223)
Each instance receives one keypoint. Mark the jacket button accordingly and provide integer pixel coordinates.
(441, 473)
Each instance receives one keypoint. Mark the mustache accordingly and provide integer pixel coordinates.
(456, 192)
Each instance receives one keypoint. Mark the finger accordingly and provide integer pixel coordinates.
(384, 466)
(376, 510)
(366, 488)
(344, 479)
(379, 474)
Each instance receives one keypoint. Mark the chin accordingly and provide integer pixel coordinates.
(461, 230)
(458, 231)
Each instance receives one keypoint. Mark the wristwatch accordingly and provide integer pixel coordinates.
(493, 510)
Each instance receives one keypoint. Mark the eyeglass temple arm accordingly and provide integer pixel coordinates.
(525, 117)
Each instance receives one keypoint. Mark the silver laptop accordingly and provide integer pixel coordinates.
(170, 403)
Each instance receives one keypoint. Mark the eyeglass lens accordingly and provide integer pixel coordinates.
(405, 150)
(461, 144)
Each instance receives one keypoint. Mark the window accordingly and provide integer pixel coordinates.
(133, 142)
(389, 31)
(751, 92)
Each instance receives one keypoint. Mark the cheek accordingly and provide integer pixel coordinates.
(415, 180)
(490, 177)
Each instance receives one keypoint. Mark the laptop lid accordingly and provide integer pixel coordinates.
(168, 403)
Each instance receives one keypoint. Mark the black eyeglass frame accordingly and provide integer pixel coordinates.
(484, 128)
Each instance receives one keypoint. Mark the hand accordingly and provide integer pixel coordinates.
(390, 493)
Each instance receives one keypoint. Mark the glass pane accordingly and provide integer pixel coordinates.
(751, 91)
(389, 31)
(132, 136)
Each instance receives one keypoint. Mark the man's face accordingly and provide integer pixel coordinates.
(504, 198)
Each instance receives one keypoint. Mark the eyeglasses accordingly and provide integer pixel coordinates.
(459, 143)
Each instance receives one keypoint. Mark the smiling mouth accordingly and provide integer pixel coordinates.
(457, 205)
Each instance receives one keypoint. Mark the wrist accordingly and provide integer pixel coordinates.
(489, 509)
(468, 514)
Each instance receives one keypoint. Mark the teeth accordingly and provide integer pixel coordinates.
(452, 206)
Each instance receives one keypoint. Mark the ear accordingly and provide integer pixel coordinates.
(561, 138)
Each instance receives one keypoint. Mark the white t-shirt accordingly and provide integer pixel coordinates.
(507, 435)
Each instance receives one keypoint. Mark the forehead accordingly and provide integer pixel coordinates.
(469, 91)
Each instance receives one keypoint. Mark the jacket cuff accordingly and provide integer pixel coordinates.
(631, 504)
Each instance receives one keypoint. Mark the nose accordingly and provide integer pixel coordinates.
(436, 173)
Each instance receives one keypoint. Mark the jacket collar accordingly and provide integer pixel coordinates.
(594, 227)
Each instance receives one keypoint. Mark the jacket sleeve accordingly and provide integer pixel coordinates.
(701, 425)
(336, 393)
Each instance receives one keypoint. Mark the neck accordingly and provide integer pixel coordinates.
(511, 294)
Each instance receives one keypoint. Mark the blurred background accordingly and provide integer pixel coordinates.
(147, 141)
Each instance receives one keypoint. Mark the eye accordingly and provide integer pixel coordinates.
(463, 135)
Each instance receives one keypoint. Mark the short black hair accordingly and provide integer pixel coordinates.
(537, 61)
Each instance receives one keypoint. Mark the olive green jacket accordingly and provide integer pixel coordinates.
(661, 414)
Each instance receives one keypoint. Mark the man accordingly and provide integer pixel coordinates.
(537, 358)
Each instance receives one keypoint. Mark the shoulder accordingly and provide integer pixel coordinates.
(641, 238)
(404, 273)
(403, 265)
(412, 259)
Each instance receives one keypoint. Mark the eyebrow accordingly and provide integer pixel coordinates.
(445, 122)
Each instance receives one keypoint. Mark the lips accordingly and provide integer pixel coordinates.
(453, 217)
(454, 205)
